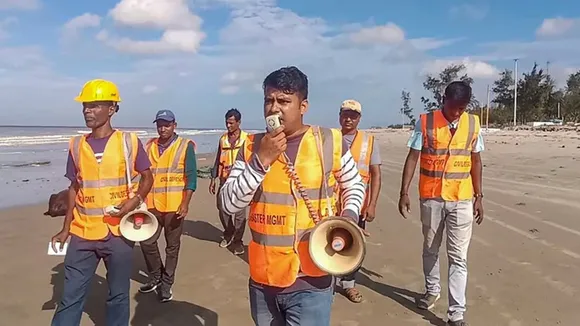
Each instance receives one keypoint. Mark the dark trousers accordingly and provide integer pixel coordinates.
(234, 225)
(80, 263)
(172, 227)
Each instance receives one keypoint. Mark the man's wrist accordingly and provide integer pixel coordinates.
(478, 195)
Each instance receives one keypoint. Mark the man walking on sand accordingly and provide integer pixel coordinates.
(365, 153)
(228, 147)
(174, 168)
(96, 168)
(287, 178)
(448, 141)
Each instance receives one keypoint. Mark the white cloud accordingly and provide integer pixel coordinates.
(364, 61)
(87, 20)
(229, 90)
(4, 24)
(556, 26)
(236, 76)
(181, 27)
(167, 14)
(148, 89)
(389, 33)
(171, 41)
(471, 11)
(20, 4)
(261, 37)
(475, 69)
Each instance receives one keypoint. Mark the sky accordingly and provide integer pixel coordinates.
(199, 58)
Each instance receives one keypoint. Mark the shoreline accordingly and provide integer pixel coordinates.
(40, 184)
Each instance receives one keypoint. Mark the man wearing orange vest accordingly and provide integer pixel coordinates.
(228, 147)
(175, 170)
(97, 168)
(365, 153)
(287, 178)
(448, 141)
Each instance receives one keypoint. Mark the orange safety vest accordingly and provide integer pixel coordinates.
(101, 184)
(445, 170)
(228, 153)
(279, 220)
(169, 175)
(361, 150)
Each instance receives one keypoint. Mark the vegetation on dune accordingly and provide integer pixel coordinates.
(538, 97)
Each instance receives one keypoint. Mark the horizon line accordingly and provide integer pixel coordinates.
(85, 127)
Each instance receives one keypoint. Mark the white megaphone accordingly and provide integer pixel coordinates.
(337, 246)
(138, 225)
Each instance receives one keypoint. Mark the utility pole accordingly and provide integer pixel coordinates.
(515, 91)
(487, 114)
(558, 110)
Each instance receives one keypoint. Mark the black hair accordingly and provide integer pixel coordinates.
(234, 113)
(458, 91)
(289, 80)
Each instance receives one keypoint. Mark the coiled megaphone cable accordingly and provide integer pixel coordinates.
(291, 170)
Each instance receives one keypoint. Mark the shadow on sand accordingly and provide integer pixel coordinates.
(401, 296)
(205, 231)
(148, 310)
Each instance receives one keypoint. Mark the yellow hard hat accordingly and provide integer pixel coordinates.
(99, 90)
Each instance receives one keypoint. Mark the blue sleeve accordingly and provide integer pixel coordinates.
(416, 140)
(190, 168)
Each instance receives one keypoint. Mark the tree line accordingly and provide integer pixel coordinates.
(538, 98)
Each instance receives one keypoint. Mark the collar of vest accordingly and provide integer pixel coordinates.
(226, 141)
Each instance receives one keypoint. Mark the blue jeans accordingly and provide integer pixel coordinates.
(80, 263)
(300, 308)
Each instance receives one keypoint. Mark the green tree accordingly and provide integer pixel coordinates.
(406, 109)
(503, 90)
(533, 90)
(436, 85)
(571, 98)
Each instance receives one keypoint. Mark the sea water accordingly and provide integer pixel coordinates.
(33, 159)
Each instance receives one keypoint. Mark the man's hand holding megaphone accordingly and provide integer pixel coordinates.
(271, 146)
(127, 206)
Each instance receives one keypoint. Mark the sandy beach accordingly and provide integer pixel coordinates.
(524, 260)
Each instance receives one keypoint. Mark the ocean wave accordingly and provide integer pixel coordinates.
(65, 138)
(34, 140)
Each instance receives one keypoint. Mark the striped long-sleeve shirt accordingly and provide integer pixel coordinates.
(245, 179)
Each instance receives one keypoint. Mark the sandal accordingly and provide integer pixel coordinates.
(353, 295)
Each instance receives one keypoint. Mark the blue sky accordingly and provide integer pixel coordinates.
(201, 57)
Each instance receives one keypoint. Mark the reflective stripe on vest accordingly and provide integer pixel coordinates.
(279, 220)
(169, 175)
(361, 150)
(101, 184)
(445, 170)
(229, 153)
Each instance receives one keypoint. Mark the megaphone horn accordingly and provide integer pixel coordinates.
(138, 225)
(337, 246)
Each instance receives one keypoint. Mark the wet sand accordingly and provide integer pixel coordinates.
(523, 261)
